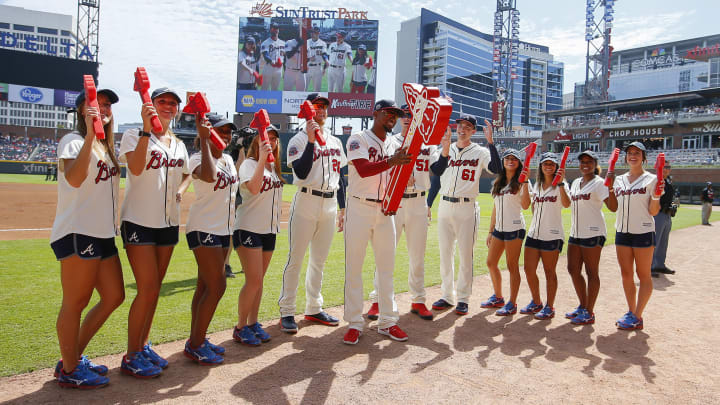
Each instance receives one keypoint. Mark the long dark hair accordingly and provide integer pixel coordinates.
(501, 180)
(108, 142)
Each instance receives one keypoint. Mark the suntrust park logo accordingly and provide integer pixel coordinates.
(353, 104)
(31, 94)
(264, 9)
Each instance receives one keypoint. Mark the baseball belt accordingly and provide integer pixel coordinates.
(413, 195)
(456, 200)
(338, 66)
(368, 199)
(318, 193)
(314, 64)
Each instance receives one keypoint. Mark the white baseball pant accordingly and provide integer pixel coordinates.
(294, 78)
(336, 79)
(312, 223)
(271, 77)
(457, 222)
(365, 222)
(314, 75)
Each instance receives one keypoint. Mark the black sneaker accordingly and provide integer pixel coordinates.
(288, 325)
(323, 318)
(665, 270)
(228, 272)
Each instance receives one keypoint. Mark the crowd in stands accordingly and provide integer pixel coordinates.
(16, 147)
(650, 115)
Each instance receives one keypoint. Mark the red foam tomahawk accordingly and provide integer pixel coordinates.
(261, 122)
(556, 180)
(91, 101)
(529, 153)
(431, 114)
(307, 111)
(198, 104)
(611, 165)
(659, 166)
(142, 84)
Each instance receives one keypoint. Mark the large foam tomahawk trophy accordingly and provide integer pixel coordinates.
(198, 104)
(142, 84)
(261, 121)
(91, 100)
(430, 117)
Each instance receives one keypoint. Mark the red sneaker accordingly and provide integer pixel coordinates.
(395, 333)
(422, 311)
(352, 336)
(373, 312)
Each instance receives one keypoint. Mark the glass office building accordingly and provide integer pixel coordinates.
(436, 51)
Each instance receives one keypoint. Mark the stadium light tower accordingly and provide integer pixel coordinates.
(506, 32)
(88, 27)
(598, 26)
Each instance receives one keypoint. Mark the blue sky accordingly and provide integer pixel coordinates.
(192, 45)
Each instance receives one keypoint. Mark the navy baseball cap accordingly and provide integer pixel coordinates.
(589, 154)
(511, 152)
(363, 47)
(107, 92)
(636, 144)
(468, 118)
(549, 156)
(165, 90)
(385, 105)
(406, 110)
(316, 29)
(250, 38)
(272, 127)
(343, 33)
(274, 25)
(218, 121)
(317, 98)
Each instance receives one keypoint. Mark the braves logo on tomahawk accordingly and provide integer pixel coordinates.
(431, 115)
(104, 172)
(158, 160)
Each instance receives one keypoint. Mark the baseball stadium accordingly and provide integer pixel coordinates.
(323, 323)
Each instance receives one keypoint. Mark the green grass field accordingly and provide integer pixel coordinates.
(31, 295)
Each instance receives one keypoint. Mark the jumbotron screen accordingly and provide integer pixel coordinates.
(281, 60)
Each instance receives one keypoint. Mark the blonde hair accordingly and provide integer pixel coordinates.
(253, 153)
(100, 146)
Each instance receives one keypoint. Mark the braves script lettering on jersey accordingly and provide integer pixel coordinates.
(105, 172)
(547, 213)
(508, 210)
(588, 220)
(274, 50)
(212, 211)
(259, 213)
(633, 201)
(338, 53)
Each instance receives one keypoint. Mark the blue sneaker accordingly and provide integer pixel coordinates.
(584, 317)
(246, 336)
(547, 312)
(217, 349)
(461, 308)
(154, 358)
(137, 365)
(96, 368)
(260, 332)
(82, 377)
(203, 355)
(509, 309)
(493, 302)
(531, 308)
(441, 304)
(574, 312)
(629, 322)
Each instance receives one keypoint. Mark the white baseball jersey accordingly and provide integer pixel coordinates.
(275, 48)
(633, 201)
(547, 213)
(371, 82)
(325, 174)
(150, 197)
(92, 208)
(259, 213)
(296, 61)
(315, 52)
(339, 53)
(366, 145)
(359, 71)
(213, 208)
(462, 176)
(588, 220)
(428, 155)
(508, 210)
(243, 75)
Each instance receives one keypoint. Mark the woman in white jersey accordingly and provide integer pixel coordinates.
(157, 164)
(587, 235)
(256, 225)
(83, 239)
(208, 231)
(635, 232)
(507, 231)
(546, 236)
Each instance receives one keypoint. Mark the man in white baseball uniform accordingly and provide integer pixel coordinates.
(317, 60)
(368, 175)
(412, 216)
(339, 52)
(317, 175)
(458, 213)
(272, 50)
(294, 78)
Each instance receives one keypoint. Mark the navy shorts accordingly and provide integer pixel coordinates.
(196, 239)
(86, 247)
(545, 245)
(248, 239)
(134, 234)
(636, 240)
(508, 236)
(587, 242)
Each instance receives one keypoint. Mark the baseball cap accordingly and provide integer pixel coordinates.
(107, 92)
(383, 105)
(363, 47)
(274, 25)
(589, 154)
(406, 110)
(317, 98)
(272, 127)
(548, 156)
(218, 121)
(468, 118)
(343, 33)
(511, 152)
(709, 183)
(316, 29)
(165, 90)
(636, 144)
(250, 38)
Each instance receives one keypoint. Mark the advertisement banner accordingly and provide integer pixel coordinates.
(65, 98)
(30, 94)
(3, 91)
(252, 101)
(291, 100)
(351, 105)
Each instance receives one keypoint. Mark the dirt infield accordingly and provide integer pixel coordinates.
(476, 358)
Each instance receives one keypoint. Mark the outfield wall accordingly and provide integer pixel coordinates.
(21, 167)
